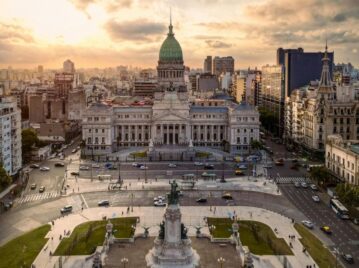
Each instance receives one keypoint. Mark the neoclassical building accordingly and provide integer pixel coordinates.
(171, 118)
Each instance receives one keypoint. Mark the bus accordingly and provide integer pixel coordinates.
(339, 209)
(189, 176)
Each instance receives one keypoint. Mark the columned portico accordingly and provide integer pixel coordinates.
(171, 134)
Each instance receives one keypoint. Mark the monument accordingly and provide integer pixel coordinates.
(172, 248)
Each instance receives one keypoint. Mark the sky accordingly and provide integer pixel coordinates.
(108, 33)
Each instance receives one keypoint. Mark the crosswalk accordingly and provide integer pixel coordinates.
(36, 197)
(291, 179)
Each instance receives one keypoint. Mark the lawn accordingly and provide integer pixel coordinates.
(23, 250)
(139, 154)
(91, 234)
(259, 237)
(322, 256)
(203, 154)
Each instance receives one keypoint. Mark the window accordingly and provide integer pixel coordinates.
(89, 140)
(96, 130)
(96, 140)
(103, 140)
(103, 130)
(96, 118)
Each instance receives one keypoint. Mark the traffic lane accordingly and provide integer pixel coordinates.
(51, 179)
(286, 171)
(321, 214)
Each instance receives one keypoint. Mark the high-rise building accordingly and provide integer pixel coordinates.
(273, 93)
(10, 132)
(40, 69)
(301, 67)
(207, 66)
(223, 65)
(69, 66)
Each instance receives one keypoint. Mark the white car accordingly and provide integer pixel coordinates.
(198, 163)
(135, 164)
(84, 168)
(159, 204)
(316, 198)
(143, 167)
(74, 151)
(308, 224)
(95, 165)
(44, 168)
(172, 165)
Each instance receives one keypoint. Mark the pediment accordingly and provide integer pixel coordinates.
(169, 116)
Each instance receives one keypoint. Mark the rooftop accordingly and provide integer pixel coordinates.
(212, 109)
(354, 148)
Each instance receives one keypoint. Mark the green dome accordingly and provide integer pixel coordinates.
(171, 50)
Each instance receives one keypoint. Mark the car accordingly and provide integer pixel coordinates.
(279, 162)
(75, 173)
(314, 187)
(84, 168)
(348, 258)
(294, 160)
(8, 205)
(44, 168)
(74, 151)
(103, 203)
(326, 229)
(198, 163)
(66, 209)
(267, 166)
(201, 200)
(95, 166)
(356, 221)
(172, 165)
(242, 166)
(33, 186)
(134, 164)
(316, 198)
(159, 204)
(78, 147)
(295, 166)
(253, 158)
(34, 166)
(304, 185)
(208, 166)
(42, 189)
(308, 224)
(62, 157)
(227, 196)
(239, 172)
(208, 175)
(59, 164)
(297, 184)
(143, 167)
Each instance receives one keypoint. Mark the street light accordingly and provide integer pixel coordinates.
(221, 260)
(124, 261)
(131, 195)
(222, 179)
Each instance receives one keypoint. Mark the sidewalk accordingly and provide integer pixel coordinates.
(258, 184)
(191, 216)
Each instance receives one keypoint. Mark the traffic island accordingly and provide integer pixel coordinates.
(22, 251)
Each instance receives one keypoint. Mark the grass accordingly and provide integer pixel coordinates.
(321, 255)
(203, 154)
(23, 250)
(122, 228)
(258, 236)
(139, 154)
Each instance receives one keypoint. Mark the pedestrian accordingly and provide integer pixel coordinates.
(210, 208)
(50, 253)
(52, 238)
(129, 184)
(122, 213)
(78, 189)
(64, 232)
(289, 236)
(290, 244)
(293, 236)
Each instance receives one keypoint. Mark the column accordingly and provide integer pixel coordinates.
(212, 139)
(122, 133)
(143, 133)
(168, 133)
(205, 133)
(219, 133)
(174, 134)
(161, 139)
(136, 133)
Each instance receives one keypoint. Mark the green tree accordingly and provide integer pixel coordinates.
(5, 179)
(29, 140)
(320, 175)
(348, 194)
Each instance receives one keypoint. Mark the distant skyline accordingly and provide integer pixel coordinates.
(108, 33)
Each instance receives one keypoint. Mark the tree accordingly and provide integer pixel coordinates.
(320, 174)
(348, 194)
(29, 139)
(5, 179)
(256, 145)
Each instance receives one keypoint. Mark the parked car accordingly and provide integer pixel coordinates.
(75, 173)
(59, 164)
(103, 203)
(44, 168)
(304, 185)
(326, 229)
(42, 189)
(201, 200)
(95, 166)
(348, 258)
(316, 198)
(171, 165)
(297, 184)
(314, 187)
(308, 224)
(66, 209)
(33, 186)
(34, 166)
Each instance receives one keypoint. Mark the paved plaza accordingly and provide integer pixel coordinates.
(191, 217)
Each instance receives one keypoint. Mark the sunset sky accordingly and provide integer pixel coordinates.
(104, 33)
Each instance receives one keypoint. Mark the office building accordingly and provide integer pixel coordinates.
(223, 65)
(207, 66)
(69, 67)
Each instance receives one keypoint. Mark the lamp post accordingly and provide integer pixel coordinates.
(131, 195)
(221, 260)
(222, 179)
(124, 261)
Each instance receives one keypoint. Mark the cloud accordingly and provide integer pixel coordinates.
(15, 33)
(110, 5)
(217, 44)
(136, 30)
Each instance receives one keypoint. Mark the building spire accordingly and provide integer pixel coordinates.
(170, 28)
(325, 80)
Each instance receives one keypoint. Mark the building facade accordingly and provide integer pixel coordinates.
(10, 135)
(172, 119)
(223, 65)
(342, 159)
(207, 65)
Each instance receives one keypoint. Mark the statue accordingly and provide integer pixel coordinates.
(184, 231)
(150, 146)
(161, 234)
(146, 232)
(173, 195)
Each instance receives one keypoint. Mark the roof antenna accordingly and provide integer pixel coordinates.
(170, 15)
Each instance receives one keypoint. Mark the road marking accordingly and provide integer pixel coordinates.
(84, 201)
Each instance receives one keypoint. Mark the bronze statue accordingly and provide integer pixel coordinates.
(173, 195)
